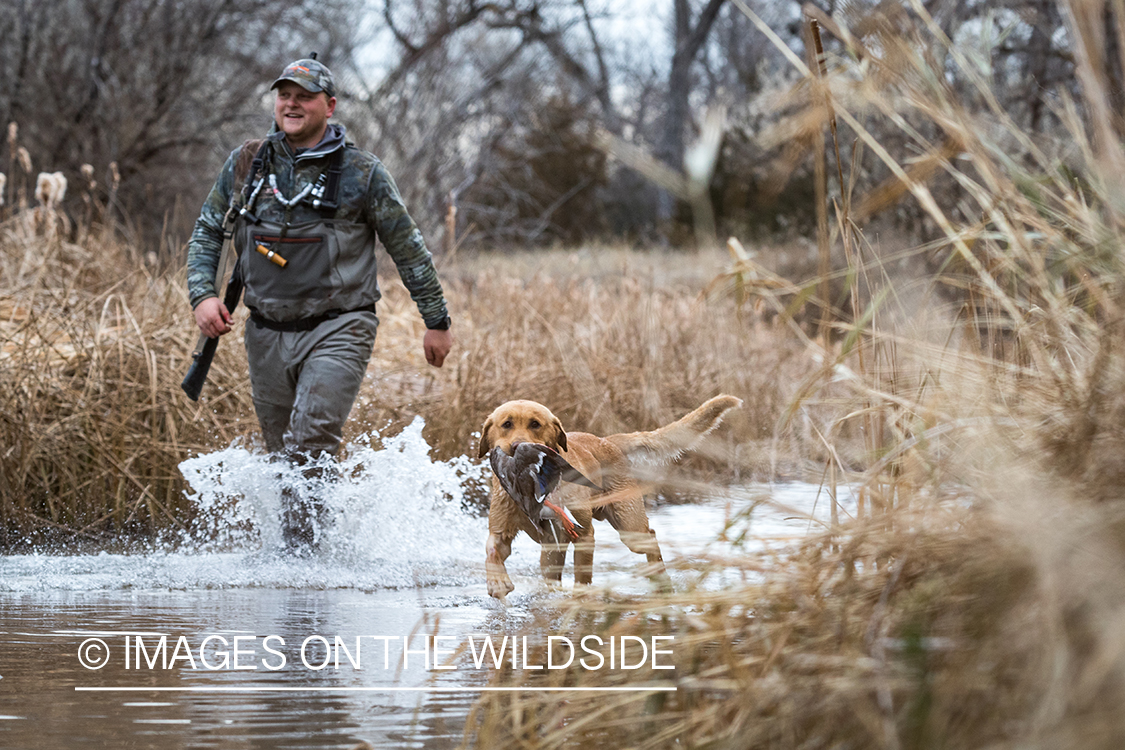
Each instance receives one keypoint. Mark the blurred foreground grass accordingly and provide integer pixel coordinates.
(978, 597)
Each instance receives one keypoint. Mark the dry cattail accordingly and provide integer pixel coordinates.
(44, 188)
(3, 183)
(115, 173)
(13, 133)
(24, 159)
(87, 171)
(60, 186)
(50, 188)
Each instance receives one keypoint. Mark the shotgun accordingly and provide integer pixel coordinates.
(205, 348)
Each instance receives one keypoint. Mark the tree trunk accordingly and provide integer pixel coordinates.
(689, 39)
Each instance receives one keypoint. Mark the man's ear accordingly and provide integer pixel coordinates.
(560, 434)
(485, 438)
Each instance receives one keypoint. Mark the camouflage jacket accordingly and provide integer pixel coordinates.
(367, 194)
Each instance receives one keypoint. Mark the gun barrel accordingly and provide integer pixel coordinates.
(200, 365)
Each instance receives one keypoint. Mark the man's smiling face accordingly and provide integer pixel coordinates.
(301, 114)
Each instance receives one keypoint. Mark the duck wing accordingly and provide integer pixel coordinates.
(559, 468)
(530, 475)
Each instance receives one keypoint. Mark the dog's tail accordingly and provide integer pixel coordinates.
(668, 443)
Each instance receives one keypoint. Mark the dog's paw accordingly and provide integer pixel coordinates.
(662, 582)
(500, 587)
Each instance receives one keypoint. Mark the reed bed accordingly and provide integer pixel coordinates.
(611, 339)
(93, 343)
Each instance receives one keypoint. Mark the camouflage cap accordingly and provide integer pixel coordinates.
(309, 74)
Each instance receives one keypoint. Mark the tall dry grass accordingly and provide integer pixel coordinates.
(978, 598)
(93, 343)
(95, 339)
(610, 339)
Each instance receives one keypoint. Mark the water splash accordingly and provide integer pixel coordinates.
(391, 508)
(394, 518)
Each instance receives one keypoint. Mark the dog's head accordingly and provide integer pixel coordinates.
(518, 422)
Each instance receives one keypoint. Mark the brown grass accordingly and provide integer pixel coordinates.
(92, 420)
(611, 340)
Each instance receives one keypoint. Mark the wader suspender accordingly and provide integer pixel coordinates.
(249, 189)
(327, 204)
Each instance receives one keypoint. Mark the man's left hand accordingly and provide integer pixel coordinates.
(437, 344)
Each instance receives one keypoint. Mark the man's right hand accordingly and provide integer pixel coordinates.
(212, 317)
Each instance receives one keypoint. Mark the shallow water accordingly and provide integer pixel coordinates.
(261, 649)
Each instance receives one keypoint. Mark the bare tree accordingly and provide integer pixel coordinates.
(473, 104)
(163, 88)
(690, 32)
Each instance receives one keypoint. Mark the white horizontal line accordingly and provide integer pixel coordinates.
(372, 689)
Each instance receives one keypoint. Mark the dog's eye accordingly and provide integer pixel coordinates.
(534, 425)
(507, 424)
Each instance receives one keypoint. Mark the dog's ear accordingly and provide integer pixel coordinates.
(560, 434)
(485, 438)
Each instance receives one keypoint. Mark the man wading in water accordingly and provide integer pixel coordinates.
(309, 207)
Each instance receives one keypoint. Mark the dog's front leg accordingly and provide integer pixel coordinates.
(552, 558)
(584, 558)
(645, 544)
(497, 550)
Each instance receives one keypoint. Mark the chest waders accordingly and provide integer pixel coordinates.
(299, 274)
(306, 274)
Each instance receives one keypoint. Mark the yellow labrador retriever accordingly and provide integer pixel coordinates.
(605, 461)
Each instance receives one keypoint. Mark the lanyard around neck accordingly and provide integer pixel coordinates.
(288, 202)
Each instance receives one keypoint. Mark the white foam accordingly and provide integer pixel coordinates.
(397, 519)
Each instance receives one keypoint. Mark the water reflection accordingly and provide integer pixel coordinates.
(43, 632)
